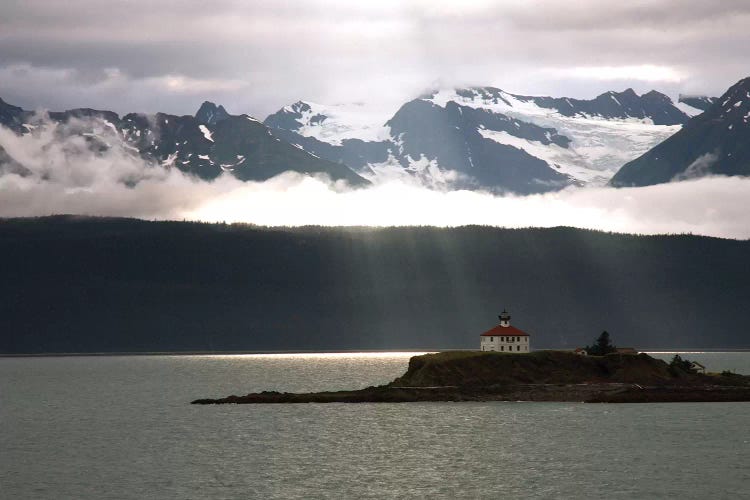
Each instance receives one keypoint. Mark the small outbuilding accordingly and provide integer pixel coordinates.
(697, 367)
(504, 337)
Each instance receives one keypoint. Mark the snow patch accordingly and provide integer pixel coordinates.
(344, 121)
(564, 160)
(206, 133)
(687, 109)
(111, 126)
(169, 161)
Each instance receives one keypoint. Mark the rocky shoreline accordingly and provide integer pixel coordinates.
(541, 376)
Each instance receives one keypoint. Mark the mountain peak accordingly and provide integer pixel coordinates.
(628, 93)
(654, 95)
(11, 116)
(210, 113)
(301, 107)
(5, 105)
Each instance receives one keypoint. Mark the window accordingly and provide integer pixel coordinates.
(518, 348)
(492, 339)
(502, 347)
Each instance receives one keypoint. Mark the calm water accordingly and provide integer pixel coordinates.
(122, 428)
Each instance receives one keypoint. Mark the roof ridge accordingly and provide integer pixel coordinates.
(501, 331)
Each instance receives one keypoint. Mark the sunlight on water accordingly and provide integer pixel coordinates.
(317, 355)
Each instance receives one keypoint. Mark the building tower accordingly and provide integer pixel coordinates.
(504, 318)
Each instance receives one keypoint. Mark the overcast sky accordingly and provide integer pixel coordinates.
(256, 56)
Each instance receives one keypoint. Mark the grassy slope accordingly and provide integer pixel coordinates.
(542, 367)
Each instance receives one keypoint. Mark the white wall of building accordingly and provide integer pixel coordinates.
(505, 344)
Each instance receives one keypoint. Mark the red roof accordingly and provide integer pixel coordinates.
(502, 331)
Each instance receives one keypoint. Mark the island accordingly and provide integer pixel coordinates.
(562, 376)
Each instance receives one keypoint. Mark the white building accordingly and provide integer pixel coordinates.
(505, 338)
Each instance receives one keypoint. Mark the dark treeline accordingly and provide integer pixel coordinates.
(96, 285)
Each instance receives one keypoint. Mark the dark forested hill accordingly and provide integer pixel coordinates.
(85, 285)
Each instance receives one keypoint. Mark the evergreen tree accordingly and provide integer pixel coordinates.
(680, 364)
(602, 346)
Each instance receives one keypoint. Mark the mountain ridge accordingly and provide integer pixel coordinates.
(598, 136)
(205, 145)
(715, 142)
(477, 138)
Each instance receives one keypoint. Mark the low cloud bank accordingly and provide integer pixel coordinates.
(67, 173)
(711, 206)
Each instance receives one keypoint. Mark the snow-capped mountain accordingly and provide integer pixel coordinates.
(461, 139)
(716, 142)
(205, 145)
(475, 138)
(486, 138)
(438, 146)
(652, 106)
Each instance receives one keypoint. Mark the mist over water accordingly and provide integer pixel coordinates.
(62, 173)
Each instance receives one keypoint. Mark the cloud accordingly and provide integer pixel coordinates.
(643, 72)
(255, 57)
(93, 174)
(710, 206)
(74, 174)
(699, 168)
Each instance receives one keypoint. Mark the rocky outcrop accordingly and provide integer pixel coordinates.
(539, 376)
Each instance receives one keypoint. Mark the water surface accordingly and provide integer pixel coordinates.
(120, 427)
